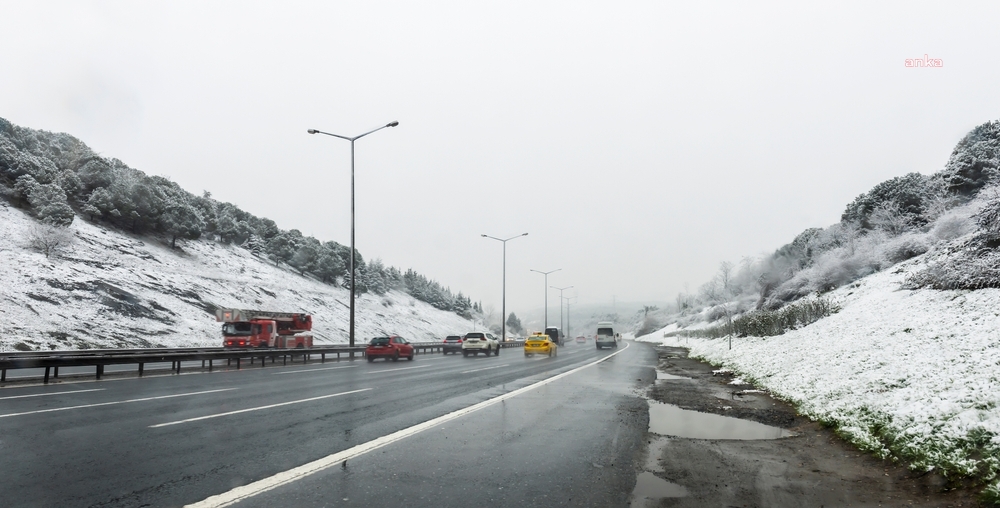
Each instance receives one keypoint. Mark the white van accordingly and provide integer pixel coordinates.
(605, 335)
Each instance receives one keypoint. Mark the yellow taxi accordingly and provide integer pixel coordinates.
(541, 344)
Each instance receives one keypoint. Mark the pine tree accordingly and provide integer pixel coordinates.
(49, 202)
(181, 220)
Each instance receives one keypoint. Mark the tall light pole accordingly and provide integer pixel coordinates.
(561, 303)
(546, 274)
(568, 334)
(352, 140)
(503, 306)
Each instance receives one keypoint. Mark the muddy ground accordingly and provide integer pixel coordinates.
(813, 468)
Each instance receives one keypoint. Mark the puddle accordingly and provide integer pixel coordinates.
(670, 420)
(663, 375)
(650, 488)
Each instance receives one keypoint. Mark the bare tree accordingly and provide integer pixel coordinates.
(890, 218)
(48, 239)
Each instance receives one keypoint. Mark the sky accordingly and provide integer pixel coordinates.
(639, 144)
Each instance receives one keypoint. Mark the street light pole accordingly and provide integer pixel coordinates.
(352, 140)
(568, 333)
(503, 306)
(561, 303)
(546, 274)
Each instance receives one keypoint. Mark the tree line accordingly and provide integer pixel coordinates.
(56, 177)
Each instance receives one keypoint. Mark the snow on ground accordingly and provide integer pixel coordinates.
(909, 374)
(110, 289)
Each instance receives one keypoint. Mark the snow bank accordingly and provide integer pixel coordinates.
(113, 290)
(909, 374)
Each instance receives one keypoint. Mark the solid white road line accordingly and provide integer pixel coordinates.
(144, 399)
(314, 370)
(269, 406)
(484, 368)
(46, 394)
(395, 370)
(272, 482)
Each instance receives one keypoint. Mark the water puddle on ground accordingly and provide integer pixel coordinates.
(660, 376)
(670, 420)
(649, 489)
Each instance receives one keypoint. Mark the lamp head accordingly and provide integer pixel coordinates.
(484, 236)
(393, 124)
(312, 131)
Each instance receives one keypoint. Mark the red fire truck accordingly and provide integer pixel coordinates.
(263, 328)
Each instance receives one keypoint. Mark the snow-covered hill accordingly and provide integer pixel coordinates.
(109, 289)
(913, 374)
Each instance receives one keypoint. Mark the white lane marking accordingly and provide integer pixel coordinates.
(259, 408)
(274, 481)
(144, 399)
(46, 394)
(484, 368)
(395, 370)
(314, 370)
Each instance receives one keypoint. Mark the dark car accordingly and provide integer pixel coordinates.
(452, 344)
(393, 346)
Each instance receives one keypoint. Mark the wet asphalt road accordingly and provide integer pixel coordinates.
(179, 439)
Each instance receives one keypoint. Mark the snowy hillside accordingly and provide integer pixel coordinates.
(109, 289)
(912, 374)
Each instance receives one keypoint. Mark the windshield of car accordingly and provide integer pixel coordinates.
(236, 329)
(380, 341)
(605, 331)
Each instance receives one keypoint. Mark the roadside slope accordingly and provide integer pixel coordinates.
(911, 374)
(109, 289)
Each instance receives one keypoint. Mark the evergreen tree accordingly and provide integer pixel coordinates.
(49, 202)
(181, 220)
(514, 324)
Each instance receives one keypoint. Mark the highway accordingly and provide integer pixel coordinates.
(437, 431)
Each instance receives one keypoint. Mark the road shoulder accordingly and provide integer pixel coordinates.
(813, 468)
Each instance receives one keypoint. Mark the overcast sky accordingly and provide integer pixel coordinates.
(638, 143)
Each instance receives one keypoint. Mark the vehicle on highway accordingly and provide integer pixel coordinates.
(540, 344)
(580, 339)
(554, 334)
(606, 335)
(392, 348)
(480, 342)
(452, 344)
(264, 328)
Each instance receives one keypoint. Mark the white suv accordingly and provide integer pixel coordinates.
(480, 342)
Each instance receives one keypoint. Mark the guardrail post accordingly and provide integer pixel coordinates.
(322, 358)
(209, 365)
(46, 380)
(237, 363)
(100, 370)
(263, 361)
(284, 359)
(178, 366)
(3, 375)
(141, 364)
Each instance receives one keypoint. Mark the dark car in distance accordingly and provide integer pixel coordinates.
(452, 344)
(392, 347)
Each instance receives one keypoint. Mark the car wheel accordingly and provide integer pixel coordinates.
(488, 351)
(410, 358)
(395, 357)
(498, 350)
(370, 359)
(465, 354)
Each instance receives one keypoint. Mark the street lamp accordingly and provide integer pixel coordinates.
(546, 274)
(503, 306)
(561, 303)
(352, 140)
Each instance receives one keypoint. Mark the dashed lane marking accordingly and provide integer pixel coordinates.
(258, 408)
(314, 370)
(484, 368)
(277, 480)
(144, 399)
(51, 393)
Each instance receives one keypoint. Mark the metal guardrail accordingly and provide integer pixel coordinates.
(51, 361)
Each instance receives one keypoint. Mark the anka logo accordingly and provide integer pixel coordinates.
(924, 62)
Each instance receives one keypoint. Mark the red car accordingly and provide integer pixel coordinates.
(393, 346)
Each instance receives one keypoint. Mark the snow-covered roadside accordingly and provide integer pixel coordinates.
(907, 374)
(113, 290)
